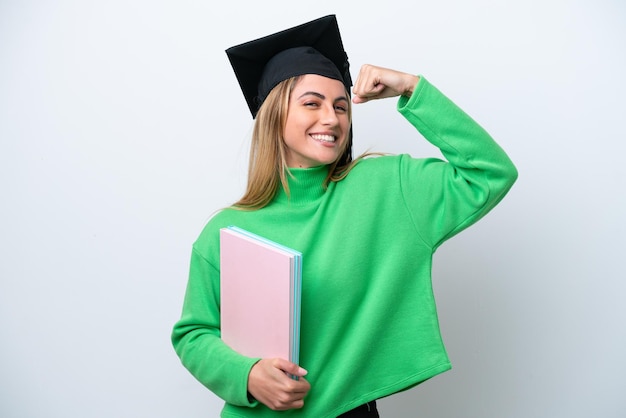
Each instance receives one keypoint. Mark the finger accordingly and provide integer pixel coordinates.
(289, 367)
(369, 77)
(361, 80)
(370, 90)
(368, 85)
(365, 96)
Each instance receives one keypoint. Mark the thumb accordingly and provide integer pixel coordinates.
(291, 368)
(371, 94)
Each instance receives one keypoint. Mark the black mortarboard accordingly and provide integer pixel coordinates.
(311, 48)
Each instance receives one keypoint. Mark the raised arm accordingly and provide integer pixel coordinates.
(444, 197)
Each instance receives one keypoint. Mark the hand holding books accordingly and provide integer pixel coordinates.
(270, 383)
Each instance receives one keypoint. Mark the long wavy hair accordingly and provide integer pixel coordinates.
(267, 168)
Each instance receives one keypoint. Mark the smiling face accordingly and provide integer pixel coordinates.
(318, 122)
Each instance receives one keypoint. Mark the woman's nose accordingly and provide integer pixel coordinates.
(329, 115)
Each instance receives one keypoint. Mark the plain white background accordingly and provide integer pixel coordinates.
(122, 129)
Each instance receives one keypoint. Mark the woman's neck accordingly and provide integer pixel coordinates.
(306, 185)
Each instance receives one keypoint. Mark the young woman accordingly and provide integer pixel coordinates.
(367, 230)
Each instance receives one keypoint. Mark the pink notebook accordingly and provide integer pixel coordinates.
(260, 295)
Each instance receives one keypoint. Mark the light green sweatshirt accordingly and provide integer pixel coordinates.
(369, 323)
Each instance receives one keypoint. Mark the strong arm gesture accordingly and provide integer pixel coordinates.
(378, 83)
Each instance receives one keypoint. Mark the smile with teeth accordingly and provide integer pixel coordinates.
(323, 138)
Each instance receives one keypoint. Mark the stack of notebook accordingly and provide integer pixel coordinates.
(260, 295)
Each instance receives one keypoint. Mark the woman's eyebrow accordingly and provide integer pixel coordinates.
(321, 96)
(313, 93)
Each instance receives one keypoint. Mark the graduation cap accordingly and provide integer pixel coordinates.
(311, 48)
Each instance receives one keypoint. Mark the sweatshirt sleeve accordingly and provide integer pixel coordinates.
(445, 197)
(196, 337)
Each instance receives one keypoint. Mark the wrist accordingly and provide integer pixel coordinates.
(411, 83)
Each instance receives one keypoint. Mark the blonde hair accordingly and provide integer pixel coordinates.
(267, 167)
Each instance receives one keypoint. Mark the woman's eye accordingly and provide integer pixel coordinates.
(310, 104)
